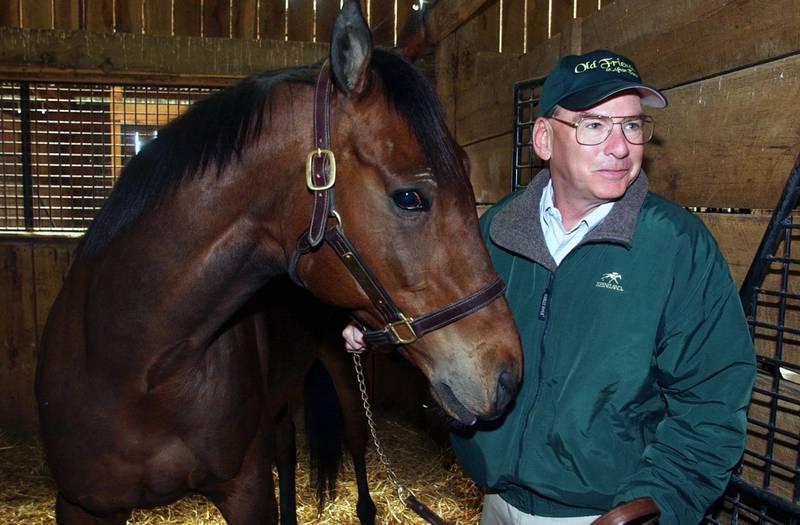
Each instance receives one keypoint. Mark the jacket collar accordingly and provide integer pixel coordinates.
(516, 227)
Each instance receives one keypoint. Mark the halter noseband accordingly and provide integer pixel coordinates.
(399, 329)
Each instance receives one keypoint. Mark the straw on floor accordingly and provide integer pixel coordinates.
(27, 491)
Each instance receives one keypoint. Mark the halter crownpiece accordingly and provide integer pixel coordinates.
(398, 329)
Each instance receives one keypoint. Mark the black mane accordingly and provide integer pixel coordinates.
(216, 129)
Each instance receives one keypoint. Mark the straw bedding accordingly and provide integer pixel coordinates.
(27, 492)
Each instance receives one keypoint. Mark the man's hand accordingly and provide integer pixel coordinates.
(353, 339)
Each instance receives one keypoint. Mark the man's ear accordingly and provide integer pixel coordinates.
(351, 50)
(543, 138)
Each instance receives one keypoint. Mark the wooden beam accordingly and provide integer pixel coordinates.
(122, 57)
(446, 16)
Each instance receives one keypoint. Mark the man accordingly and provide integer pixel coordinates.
(638, 361)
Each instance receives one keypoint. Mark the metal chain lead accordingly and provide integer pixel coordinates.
(402, 490)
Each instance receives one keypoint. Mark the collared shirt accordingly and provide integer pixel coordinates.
(560, 241)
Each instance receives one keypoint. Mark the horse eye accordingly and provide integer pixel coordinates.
(411, 200)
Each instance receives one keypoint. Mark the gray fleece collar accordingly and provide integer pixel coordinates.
(516, 227)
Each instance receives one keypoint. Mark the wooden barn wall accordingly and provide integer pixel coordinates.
(298, 20)
(31, 273)
(731, 72)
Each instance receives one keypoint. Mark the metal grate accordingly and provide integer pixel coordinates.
(767, 487)
(62, 146)
(526, 109)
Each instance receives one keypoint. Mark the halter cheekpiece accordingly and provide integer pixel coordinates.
(398, 329)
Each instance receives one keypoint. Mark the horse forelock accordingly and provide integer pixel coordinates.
(210, 135)
(411, 95)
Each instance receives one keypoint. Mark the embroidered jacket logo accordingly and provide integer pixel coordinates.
(611, 281)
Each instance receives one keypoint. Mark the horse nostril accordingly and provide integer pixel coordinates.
(506, 390)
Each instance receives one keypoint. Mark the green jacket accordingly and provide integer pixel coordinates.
(638, 364)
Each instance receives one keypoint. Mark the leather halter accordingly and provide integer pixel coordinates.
(399, 328)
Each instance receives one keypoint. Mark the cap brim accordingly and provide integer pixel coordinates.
(588, 97)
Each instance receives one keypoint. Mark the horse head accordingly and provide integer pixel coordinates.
(404, 203)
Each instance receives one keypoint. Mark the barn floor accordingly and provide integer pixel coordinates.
(27, 492)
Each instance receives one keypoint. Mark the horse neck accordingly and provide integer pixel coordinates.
(189, 263)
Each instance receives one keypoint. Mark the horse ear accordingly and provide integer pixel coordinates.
(413, 40)
(351, 49)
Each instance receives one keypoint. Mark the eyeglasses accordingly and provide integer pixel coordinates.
(592, 130)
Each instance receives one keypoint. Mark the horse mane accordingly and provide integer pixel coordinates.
(215, 130)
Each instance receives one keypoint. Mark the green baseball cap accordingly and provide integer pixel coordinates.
(581, 81)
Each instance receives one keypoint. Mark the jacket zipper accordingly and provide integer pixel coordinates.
(544, 310)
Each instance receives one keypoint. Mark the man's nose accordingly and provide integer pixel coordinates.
(617, 144)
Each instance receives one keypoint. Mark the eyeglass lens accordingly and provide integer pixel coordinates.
(595, 130)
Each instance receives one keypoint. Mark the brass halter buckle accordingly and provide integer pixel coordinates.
(319, 152)
(405, 325)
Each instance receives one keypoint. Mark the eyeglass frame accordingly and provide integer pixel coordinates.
(575, 125)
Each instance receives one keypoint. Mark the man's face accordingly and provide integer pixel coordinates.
(586, 176)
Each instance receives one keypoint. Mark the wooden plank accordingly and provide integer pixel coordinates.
(560, 14)
(404, 10)
(245, 18)
(9, 13)
(490, 168)
(486, 30)
(272, 20)
(446, 58)
(485, 109)
(158, 17)
(66, 14)
(37, 15)
(188, 17)
(738, 237)
(728, 142)
(538, 22)
(585, 7)
(51, 262)
(300, 20)
(17, 335)
(98, 16)
(676, 42)
(127, 57)
(381, 22)
(513, 26)
(446, 16)
(326, 15)
(129, 15)
(216, 18)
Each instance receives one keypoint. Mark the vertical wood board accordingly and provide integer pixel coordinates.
(301, 20)
(37, 14)
(538, 20)
(382, 22)
(129, 15)
(9, 13)
(188, 16)
(66, 14)
(245, 21)
(17, 333)
(217, 18)
(513, 26)
(272, 19)
(158, 17)
(326, 15)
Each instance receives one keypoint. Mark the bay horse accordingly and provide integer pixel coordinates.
(324, 376)
(148, 386)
